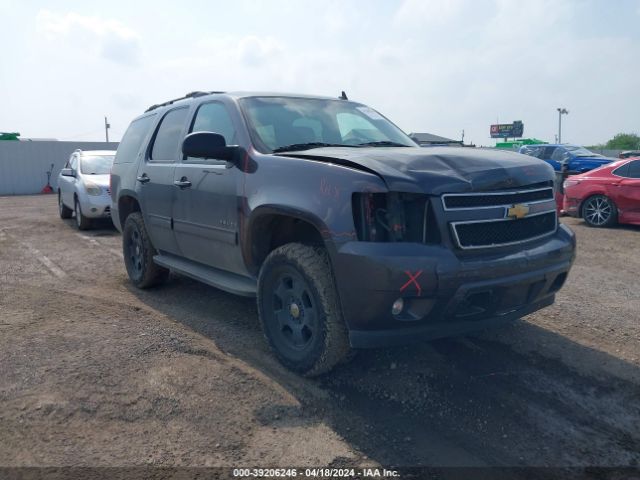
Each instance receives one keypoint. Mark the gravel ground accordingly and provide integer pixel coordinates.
(95, 372)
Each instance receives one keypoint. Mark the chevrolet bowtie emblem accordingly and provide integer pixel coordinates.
(518, 211)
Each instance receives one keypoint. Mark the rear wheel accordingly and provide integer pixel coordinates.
(82, 222)
(599, 211)
(65, 212)
(138, 254)
(299, 309)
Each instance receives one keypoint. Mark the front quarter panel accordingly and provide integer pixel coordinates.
(317, 192)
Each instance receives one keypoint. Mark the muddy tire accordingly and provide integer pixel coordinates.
(599, 211)
(82, 222)
(138, 254)
(65, 212)
(299, 310)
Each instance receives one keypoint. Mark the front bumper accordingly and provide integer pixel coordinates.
(95, 206)
(571, 206)
(443, 294)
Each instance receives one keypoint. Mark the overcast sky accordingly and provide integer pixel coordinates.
(437, 66)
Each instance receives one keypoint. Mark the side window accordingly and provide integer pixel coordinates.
(132, 140)
(634, 169)
(558, 154)
(547, 152)
(536, 152)
(168, 136)
(351, 125)
(622, 171)
(214, 117)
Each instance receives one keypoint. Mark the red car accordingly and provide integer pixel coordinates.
(607, 195)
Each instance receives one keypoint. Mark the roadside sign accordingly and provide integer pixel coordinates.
(507, 130)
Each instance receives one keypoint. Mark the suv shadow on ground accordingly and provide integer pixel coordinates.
(491, 399)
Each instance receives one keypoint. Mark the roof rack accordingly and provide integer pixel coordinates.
(188, 95)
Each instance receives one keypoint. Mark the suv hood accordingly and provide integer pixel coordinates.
(437, 170)
(100, 179)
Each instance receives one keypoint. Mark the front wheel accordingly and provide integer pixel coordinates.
(599, 211)
(299, 309)
(138, 254)
(82, 222)
(65, 212)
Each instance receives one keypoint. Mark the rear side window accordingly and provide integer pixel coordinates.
(132, 140)
(168, 136)
(622, 171)
(634, 170)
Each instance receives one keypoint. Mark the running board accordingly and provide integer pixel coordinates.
(229, 282)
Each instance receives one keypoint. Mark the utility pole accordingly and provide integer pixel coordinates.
(106, 129)
(561, 111)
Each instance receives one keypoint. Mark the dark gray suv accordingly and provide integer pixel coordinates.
(347, 232)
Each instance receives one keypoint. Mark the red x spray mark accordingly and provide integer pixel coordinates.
(413, 279)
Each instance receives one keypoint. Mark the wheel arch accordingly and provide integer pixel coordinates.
(126, 205)
(271, 226)
(591, 194)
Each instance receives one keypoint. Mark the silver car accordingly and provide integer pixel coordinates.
(83, 186)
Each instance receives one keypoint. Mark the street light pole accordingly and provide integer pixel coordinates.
(107, 126)
(561, 111)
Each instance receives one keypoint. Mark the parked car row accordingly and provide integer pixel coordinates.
(569, 158)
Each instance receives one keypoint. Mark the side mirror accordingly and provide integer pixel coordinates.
(208, 145)
(67, 172)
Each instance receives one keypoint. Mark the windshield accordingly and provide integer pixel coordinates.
(286, 123)
(581, 151)
(96, 164)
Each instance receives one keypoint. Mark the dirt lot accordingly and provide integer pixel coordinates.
(94, 372)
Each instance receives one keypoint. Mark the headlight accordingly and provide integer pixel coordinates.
(570, 183)
(394, 217)
(92, 188)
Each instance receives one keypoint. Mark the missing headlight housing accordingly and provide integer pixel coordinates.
(394, 217)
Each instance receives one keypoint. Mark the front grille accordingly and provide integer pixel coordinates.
(495, 233)
(107, 211)
(495, 199)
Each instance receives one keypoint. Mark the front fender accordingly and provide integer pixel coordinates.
(318, 193)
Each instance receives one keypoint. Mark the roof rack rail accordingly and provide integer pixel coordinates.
(188, 95)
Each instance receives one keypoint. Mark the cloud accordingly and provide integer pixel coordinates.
(110, 39)
(416, 13)
(248, 51)
(254, 51)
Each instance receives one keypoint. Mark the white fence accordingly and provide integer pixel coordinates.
(24, 165)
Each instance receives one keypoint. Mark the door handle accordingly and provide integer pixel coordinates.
(182, 183)
(143, 178)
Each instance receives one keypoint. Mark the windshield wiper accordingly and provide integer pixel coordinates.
(383, 143)
(307, 146)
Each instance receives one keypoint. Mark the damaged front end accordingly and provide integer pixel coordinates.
(395, 217)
